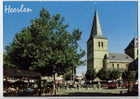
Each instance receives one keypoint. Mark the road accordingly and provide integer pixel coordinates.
(91, 92)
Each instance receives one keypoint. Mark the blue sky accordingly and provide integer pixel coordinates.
(118, 20)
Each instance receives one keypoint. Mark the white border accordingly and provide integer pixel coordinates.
(138, 27)
(1, 51)
(70, 0)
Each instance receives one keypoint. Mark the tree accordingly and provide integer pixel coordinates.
(44, 43)
(129, 75)
(46, 46)
(115, 74)
(6, 61)
(68, 75)
(90, 75)
(104, 74)
(18, 54)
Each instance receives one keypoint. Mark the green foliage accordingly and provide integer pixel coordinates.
(129, 75)
(7, 62)
(115, 74)
(90, 75)
(46, 46)
(68, 75)
(104, 74)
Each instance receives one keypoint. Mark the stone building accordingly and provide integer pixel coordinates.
(98, 55)
(132, 48)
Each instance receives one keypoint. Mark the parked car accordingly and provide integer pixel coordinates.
(112, 85)
(126, 84)
(104, 84)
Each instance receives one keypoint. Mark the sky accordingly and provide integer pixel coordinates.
(118, 20)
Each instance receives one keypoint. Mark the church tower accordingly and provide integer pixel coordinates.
(97, 46)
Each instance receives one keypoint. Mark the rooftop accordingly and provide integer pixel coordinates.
(119, 57)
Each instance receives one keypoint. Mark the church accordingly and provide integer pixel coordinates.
(98, 55)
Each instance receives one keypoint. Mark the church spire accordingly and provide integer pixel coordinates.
(96, 27)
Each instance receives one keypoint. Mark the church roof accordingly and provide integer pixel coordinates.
(119, 57)
(96, 27)
(133, 43)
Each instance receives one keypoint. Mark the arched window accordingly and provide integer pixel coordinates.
(118, 66)
(102, 44)
(99, 44)
(113, 66)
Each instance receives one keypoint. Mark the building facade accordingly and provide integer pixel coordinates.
(97, 46)
(98, 55)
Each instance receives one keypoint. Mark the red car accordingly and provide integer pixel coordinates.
(112, 85)
(126, 85)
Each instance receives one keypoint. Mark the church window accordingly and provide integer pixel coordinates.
(113, 66)
(117, 65)
(99, 44)
(102, 44)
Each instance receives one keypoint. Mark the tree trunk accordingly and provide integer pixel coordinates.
(73, 74)
(39, 87)
(54, 84)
